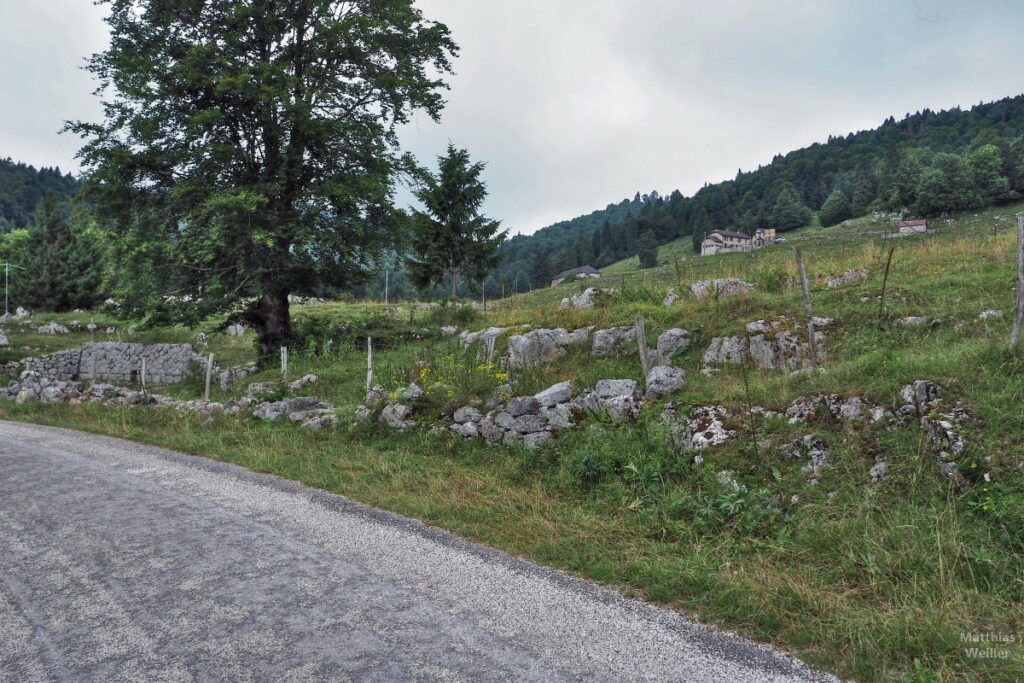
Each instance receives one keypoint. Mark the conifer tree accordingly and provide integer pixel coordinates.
(450, 236)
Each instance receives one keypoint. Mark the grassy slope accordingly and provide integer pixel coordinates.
(875, 581)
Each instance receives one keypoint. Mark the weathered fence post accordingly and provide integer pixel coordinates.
(284, 363)
(209, 376)
(369, 363)
(641, 342)
(92, 371)
(1018, 317)
(885, 281)
(142, 377)
(808, 309)
(679, 275)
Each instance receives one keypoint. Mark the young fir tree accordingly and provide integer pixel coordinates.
(62, 263)
(543, 269)
(647, 250)
(450, 237)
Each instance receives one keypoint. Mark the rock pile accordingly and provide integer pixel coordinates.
(701, 428)
(942, 425)
(811, 449)
(538, 347)
(852, 275)
(118, 362)
(52, 328)
(588, 298)
(771, 347)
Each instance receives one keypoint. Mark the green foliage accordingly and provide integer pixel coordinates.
(451, 237)
(250, 151)
(60, 264)
(788, 213)
(836, 209)
(450, 313)
(647, 250)
(22, 189)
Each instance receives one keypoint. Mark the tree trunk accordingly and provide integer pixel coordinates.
(272, 322)
(455, 277)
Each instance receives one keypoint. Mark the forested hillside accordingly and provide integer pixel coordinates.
(22, 187)
(924, 164)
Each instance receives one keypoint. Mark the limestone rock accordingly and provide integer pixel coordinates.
(670, 298)
(523, 405)
(663, 380)
(721, 288)
(613, 341)
(851, 275)
(542, 346)
(555, 394)
(671, 343)
(536, 439)
(616, 388)
(396, 416)
(586, 299)
(465, 430)
(467, 414)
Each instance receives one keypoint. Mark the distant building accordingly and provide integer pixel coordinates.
(913, 227)
(576, 273)
(724, 241)
(763, 237)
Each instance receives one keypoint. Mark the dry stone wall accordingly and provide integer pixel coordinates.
(118, 362)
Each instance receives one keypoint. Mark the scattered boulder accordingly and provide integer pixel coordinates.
(720, 288)
(670, 298)
(879, 469)
(449, 331)
(990, 314)
(465, 429)
(912, 321)
(319, 422)
(487, 340)
(236, 330)
(411, 394)
(616, 388)
(663, 380)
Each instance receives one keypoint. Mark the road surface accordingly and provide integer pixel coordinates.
(122, 562)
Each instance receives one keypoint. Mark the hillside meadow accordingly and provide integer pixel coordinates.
(876, 581)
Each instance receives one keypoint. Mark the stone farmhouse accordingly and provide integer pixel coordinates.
(576, 273)
(726, 241)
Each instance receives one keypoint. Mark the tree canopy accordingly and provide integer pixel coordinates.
(249, 149)
(450, 237)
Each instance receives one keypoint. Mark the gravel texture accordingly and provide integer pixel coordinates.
(122, 562)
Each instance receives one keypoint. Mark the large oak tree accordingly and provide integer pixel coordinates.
(249, 150)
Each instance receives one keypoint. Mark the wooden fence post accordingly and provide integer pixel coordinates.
(885, 281)
(142, 377)
(1018, 317)
(284, 363)
(808, 309)
(209, 375)
(641, 342)
(369, 363)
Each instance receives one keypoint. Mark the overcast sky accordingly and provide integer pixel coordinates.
(577, 103)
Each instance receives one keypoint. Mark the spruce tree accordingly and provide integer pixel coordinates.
(63, 263)
(647, 250)
(450, 237)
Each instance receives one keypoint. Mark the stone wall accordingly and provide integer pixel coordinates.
(118, 362)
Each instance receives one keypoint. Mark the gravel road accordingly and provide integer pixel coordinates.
(122, 562)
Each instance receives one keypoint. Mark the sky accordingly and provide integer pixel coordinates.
(574, 104)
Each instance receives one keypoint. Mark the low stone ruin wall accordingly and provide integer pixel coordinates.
(118, 362)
